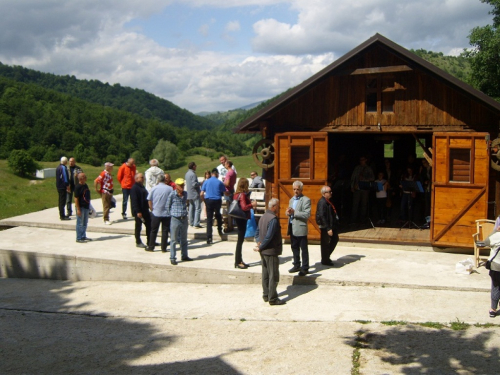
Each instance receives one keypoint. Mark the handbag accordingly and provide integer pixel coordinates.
(487, 265)
(235, 210)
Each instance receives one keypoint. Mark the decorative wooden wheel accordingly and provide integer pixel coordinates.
(263, 153)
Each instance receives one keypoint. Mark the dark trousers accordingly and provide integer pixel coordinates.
(138, 227)
(126, 195)
(270, 276)
(62, 202)
(381, 208)
(69, 201)
(299, 244)
(360, 204)
(213, 206)
(328, 244)
(165, 229)
(242, 228)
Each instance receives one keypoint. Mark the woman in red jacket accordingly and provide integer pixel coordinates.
(241, 195)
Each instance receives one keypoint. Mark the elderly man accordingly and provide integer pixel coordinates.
(82, 205)
(327, 219)
(211, 192)
(153, 174)
(270, 247)
(298, 213)
(126, 175)
(193, 192)
(157, 200)
(177, 210)
(104, 186)
(140, 209)
(73, 171)
(256, 181)
(63, 186)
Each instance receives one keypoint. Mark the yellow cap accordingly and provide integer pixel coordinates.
(180, 181)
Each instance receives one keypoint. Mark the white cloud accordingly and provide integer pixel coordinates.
(233, 26)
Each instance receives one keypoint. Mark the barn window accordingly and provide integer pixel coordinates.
(459, 165)
(381, 90)
(388, 95)
(300, 162)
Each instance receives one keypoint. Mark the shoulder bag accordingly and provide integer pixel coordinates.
(235, 210)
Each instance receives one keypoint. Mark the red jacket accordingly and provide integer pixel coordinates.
(126, 176)
(245, 203)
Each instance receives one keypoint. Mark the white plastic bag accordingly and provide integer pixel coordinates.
(92, 212)
(464, 267)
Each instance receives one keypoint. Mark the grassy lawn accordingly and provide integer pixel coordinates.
(20, 196)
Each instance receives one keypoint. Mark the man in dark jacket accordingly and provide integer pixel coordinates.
(63, 187)
(270, 246)
(140, 209)
(326, 217)
(73, 171)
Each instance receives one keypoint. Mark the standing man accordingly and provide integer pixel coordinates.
(221, 168)
(229, 182)
(82, 204)
(73, 171)
(270, 246)
(126, 176)
(211, 192)
(327, 219)
(177, 210)
(157, 200)
(62, 185)
(298, 212)
(360, 196)
(256, 181)
(153, 174)
(140, 209)
(193, 192)
(104, 186)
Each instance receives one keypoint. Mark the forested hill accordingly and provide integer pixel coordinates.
(458, 66)
(116, 96)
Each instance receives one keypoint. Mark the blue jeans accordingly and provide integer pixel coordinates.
(178, 233)
(81, 223)
(194, 211)
(126, 194)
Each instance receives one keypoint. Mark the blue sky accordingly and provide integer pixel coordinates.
(216, 55)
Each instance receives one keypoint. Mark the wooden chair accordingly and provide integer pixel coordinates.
(484, 229)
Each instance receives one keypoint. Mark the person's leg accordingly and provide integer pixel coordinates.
(61, 202)
(334, 240)
(218, 215)
(495, 293)
(147, 224)
(305, 253)
(79, 227)
(364, 196)
(210, 204)
(295, 245)
(197, 212)
(69, 201)
(183, 232)
(265, 277)
(174, 233)
(242, 227)
(273, 266)
(126, 195)
(85, 221)
(106, 206)
(355, 205)
(324, 244)
(191, 211)
(155, 226)
(137, 231)
(165, 230)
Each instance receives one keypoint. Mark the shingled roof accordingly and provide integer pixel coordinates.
(416, 62)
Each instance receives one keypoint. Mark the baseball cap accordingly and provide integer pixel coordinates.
(108, 164)
(180, 181)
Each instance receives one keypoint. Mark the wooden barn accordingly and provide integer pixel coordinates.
(383, 102)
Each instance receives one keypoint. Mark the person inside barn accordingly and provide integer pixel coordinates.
(360, 192)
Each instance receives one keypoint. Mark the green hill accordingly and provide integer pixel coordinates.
(458, 66)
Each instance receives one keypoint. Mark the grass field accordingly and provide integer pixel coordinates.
(20, 196)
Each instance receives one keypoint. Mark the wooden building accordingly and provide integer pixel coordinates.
(375, 96)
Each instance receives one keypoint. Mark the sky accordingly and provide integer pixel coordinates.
(218, 55)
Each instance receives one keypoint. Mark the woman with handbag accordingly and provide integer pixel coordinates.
(241, 196)
(493, 264)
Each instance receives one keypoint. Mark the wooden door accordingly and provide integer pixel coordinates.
(304, 157)
(460, 187)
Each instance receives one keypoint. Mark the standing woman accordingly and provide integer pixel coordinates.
(207, 175)
(493, 241)
(241, 195)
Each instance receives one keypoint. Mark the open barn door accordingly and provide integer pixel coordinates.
(460, 187)
(304, 157)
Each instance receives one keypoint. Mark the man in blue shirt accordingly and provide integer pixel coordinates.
(177, 210)
(157, 200)
(211, 192)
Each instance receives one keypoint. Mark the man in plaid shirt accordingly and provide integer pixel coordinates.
(177, 209)
(104, 186)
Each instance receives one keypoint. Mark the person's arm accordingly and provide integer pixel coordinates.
(97, 181)
(271, 228)
(119, 175)
(305, 212)
(134, 202)
(245, 203)
(77, 205)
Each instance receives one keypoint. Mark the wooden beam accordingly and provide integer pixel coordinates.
(427, 152)
(382, 69)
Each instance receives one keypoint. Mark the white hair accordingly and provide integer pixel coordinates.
(64, 160)
(273, 202)
(298, 184)
(324, 189)
(153, 162)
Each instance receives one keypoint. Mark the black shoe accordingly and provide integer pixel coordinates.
(241, 266)
(173, 262)
(124, 216)
(209, 241)
(265, 298)
(186, 259)
(197, 226)
(140, 245)
(277, 302)
(149, 248)
(164, 251)
(87, 239)
(81, 241)
(303, 273)
(64, 218)
(157, 244)
(328, 263)
(294, 269)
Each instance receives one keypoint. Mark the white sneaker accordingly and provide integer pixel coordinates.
(107, 223)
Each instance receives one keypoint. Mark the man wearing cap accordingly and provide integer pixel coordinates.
(126, 175)
(140, 209)
(177, 210)
(103, 184)
(193, 192)
(211, 192)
